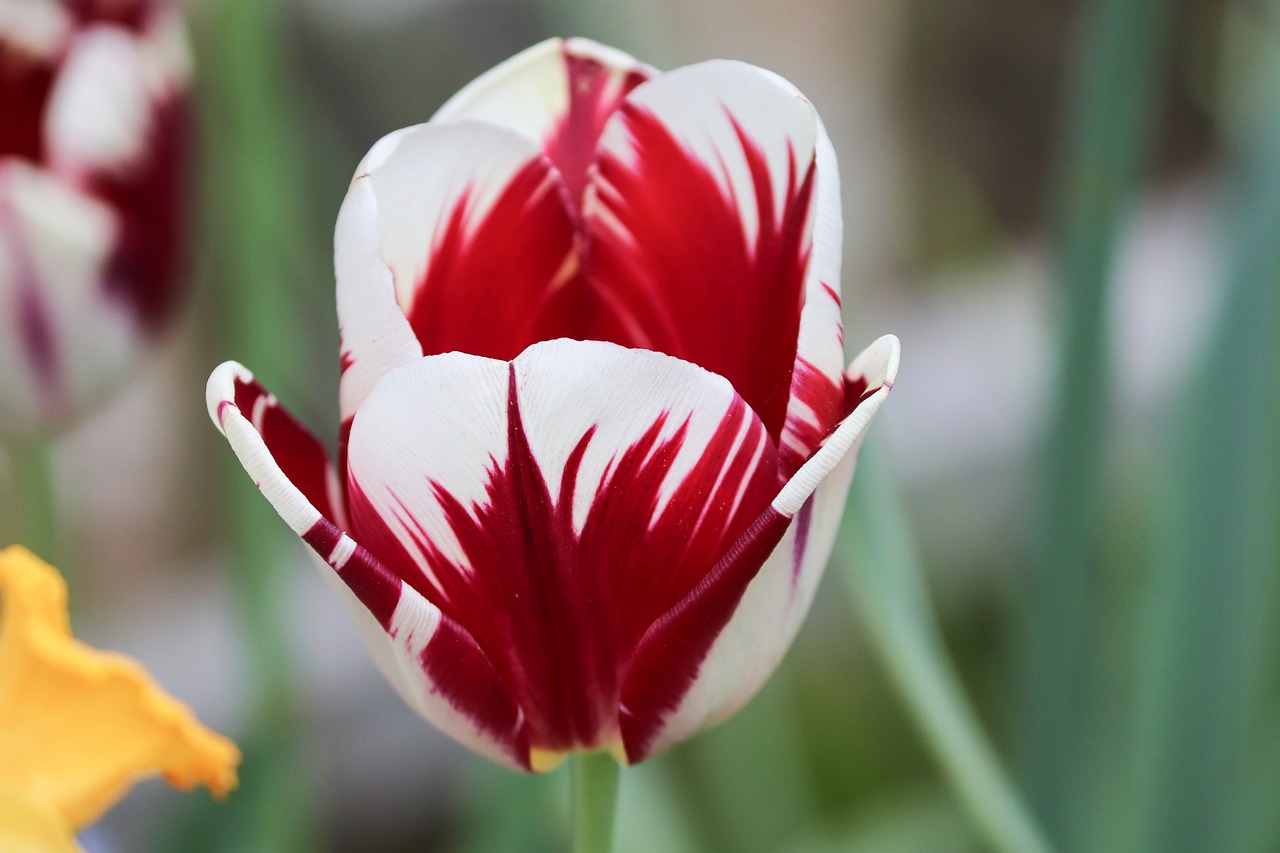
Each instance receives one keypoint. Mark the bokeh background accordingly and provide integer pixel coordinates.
(1061, 555)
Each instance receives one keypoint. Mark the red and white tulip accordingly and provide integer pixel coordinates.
(596, 428)
(93, 144)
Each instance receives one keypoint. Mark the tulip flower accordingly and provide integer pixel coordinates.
(93, 121)
(78, 726)
(596, 430)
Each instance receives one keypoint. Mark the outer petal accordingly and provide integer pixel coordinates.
(721, 673)
(434, 665)
(555, 506)
(68, 346)
(559, 93)
(700, 223)
(78, 726)
(471, 221)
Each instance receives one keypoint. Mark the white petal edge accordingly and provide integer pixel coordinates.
(421, 181)
(753, 643)
(695, 103)
(821, 338)
(396, 651)
(376, 336)
(529, 92)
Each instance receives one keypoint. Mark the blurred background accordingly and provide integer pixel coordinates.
(1060, 558)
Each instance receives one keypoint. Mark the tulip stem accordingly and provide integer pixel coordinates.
(31, 511)
(886, 585)
(594, 781)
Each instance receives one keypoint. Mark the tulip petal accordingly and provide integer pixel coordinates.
(713, 652)
(700, 221)
(560, 93)
(472, 222)
(555, 506)
(431, 662)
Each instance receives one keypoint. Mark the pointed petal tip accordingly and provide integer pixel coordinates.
(877, 365)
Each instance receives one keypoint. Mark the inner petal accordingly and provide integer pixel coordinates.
(699, 225)
(559, 92)
(473, 224)
(555, 506)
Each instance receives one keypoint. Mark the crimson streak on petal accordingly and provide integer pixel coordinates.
(502, 279)
(296, 450)
(593, 97)
(672, 268)
(560, 611)
(673, 649)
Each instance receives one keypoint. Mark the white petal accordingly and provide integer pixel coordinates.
(530, 92)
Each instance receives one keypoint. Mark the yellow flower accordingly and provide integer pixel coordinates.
(78, 726)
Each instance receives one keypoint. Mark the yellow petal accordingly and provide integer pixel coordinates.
(27, 827)
(78, 726)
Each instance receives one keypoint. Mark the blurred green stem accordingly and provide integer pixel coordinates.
(594, 780)
(1112, 97)
(887, 589)
(31, 514)
(1206, 691)
(257, 222)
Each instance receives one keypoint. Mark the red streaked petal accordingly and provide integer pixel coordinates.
(559, 92)
(705, 659)
(555, 506)
(428, 658)
(699, 225)
(473, 224)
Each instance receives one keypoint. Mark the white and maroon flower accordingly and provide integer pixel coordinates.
(93, 127)
(596, 431)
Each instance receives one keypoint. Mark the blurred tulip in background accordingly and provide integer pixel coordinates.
(93, 197)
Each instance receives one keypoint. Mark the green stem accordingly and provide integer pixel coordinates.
(594, 780)
(1112, 96)
(31, 512)
(887, 589)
